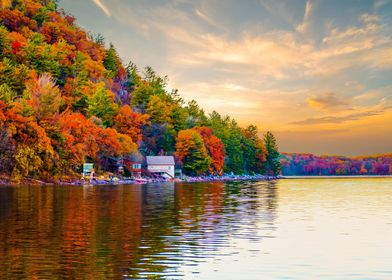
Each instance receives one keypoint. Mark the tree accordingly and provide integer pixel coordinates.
(7, 94)
(83, 140)
(273, 165)
(102, 105)
(5, 46)
(178, 117)
(14, 75)
(234, 154)
(145, 89)
(99, 39)
(45, 97)
(130, 123)
(153, 138)
(215, 149)
(229, 134)
(78, 139)
(158, 110)
(196, 115)
(253, 150)
(29, 146)
(191, 152)
(133, 76)
(111, 61)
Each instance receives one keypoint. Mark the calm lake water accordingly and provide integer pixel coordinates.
(290, 229)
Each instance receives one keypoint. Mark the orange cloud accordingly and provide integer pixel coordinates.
(327, 100)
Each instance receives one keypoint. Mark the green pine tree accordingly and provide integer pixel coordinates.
(273, 165)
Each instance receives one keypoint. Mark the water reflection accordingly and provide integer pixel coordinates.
(126, 231)
(238, 230)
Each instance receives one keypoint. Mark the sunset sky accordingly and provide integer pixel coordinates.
(316, 73)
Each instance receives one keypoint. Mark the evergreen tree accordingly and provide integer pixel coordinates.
(111, 61)
(196, 115)
(253, 151)
(273, 165)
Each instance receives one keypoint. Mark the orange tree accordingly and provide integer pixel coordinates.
(215, 149)
(130, 123)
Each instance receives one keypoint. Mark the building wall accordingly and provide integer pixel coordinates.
(161, 168)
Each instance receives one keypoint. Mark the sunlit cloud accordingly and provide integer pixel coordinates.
(337, 120)
(102, 7)
(305, 25)
(327, 100)
(206, 18)
(283, 54)
(286, 67)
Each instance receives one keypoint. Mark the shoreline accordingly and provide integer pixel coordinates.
(187, 179)
(138, 181)
(333, 176)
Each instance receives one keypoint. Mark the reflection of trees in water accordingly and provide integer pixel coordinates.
(69, 232)
(200, 220)
(109, 232)
(243, 208)
(253, 196)
(6, 194)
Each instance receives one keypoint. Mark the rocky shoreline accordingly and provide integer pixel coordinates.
(140, 181)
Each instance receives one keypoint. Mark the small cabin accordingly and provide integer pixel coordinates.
(135, 167)
(161, 165)
(88, 170)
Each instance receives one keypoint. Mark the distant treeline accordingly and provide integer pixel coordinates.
(67, 98)
(309, 164)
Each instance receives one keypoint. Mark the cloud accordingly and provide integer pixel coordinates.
(380, 3)
(201, 14)
(283, 54)
(304, 26)
(234, 87)
(327, 100)
(379, 95)
(269, 67)
(273, 54)
(338, 119)
(102, 7)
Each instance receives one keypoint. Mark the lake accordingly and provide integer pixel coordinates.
(286, 229)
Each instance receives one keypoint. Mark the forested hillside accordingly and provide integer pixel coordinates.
(67, 98)
(308, 164)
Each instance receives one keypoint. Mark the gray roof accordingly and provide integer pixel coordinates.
(160, 160)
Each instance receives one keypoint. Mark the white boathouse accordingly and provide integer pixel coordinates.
(161, 165)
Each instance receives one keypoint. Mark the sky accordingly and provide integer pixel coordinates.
(317, 73)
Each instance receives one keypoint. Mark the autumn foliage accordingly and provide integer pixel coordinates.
(191, 152)
(215, 149)
(309, 164)
(57, 99)
(129, 122)
(67, 98)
